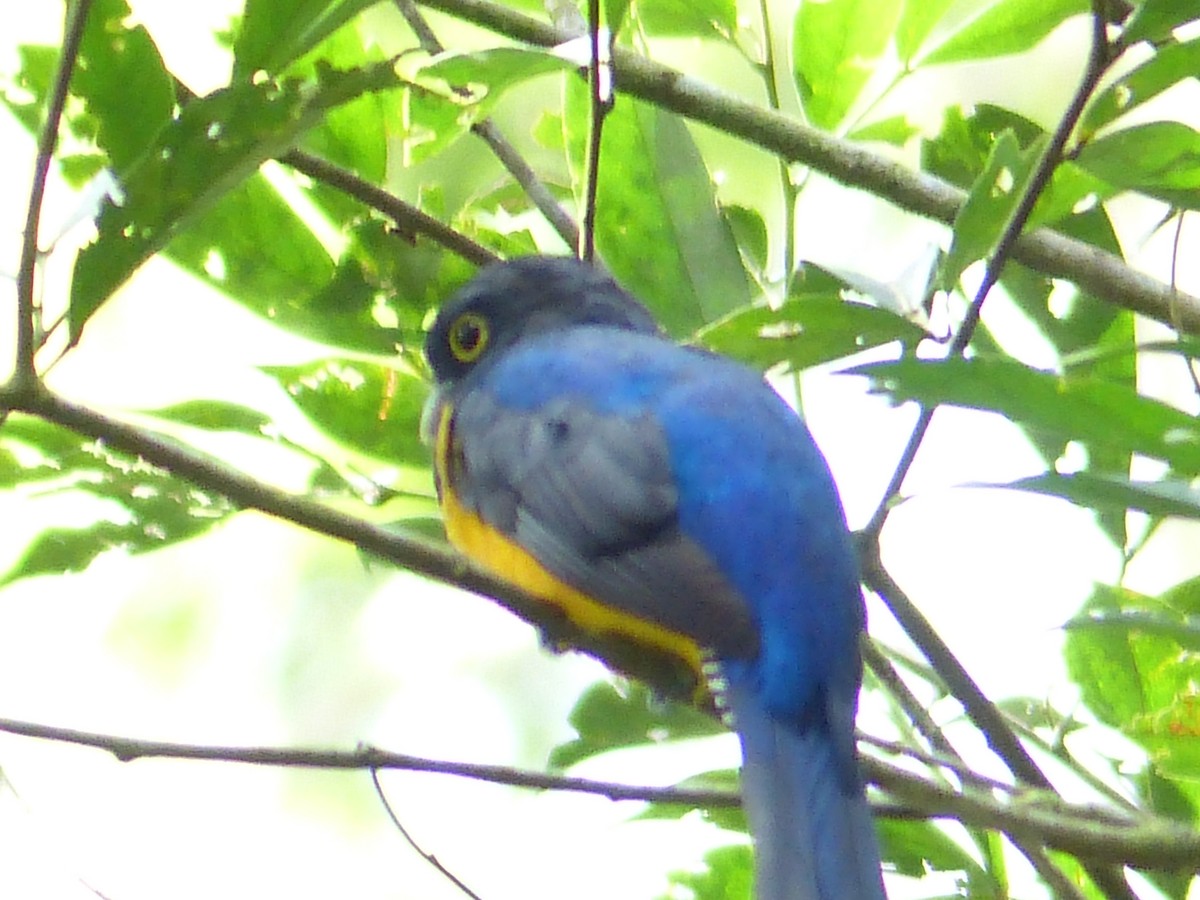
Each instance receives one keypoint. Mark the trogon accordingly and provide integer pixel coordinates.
(670, 495)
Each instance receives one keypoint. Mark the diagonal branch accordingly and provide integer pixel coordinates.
(1096, 272)
(668, 674)
(487, 131)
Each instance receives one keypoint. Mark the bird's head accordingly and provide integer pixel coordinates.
(512, 300)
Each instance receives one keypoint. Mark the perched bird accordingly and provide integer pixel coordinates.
(669, 495)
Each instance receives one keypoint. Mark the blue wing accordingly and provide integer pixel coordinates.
(674, 442)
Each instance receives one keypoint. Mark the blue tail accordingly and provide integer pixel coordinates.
(813, 834)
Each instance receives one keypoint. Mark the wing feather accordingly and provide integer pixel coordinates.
(592, 497)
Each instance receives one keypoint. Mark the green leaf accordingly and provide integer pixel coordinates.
(688, 18)
(835, 45)
(1154, 20)
(355, 134)
(214, 415)
(897, 130)
(658, 227)
(615, 13)
(806, 332)
(610, 716)
(495, 70)
(988, 207)
(1010, 26)
(1114, 493)
(728, 875)
(731, 818)
(1169, 65)
(112, 57)
(213, 146)
(917, 847)
(366, 407)
(1090, 410)
(750, 232)
(274, 33)
(916, 21)
(1184, 631)
(1134, 674)
(140, 508)
(1161, 159)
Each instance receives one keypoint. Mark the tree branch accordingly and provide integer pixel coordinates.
(1087, 832)
(669, 675)
(409, 219)
(487, 131)
(24, 373)
(1098, 273)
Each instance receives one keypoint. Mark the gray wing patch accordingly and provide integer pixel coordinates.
(592, 497)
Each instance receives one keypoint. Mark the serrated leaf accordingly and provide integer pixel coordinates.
(835, 46)
(1090, 410)
(368, 408)
(610, 716)
(214, 145)
(1161, 159)
(658, 227)
(1010, 26)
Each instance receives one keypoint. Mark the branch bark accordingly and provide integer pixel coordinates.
(1098, 273)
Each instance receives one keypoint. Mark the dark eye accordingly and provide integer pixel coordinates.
(468, 337)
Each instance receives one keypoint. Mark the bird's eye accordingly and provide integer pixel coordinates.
(468, 337)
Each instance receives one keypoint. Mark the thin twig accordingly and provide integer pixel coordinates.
(487, 131)
(409, 220)
(597, 106)
(24, 373)
(1097, 63)
(883, 669)
(428, 857)
(1086, 832)
(1100, 274)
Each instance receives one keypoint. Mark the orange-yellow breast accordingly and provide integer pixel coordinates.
(501, 554)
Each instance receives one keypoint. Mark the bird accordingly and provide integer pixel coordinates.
(669, 495)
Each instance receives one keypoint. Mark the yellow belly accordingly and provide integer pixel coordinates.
(500, 554)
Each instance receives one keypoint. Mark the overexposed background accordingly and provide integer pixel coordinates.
(258, 633)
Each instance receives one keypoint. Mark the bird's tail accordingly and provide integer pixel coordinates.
(814, 838)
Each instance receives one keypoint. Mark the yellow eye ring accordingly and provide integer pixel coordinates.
(468, 336)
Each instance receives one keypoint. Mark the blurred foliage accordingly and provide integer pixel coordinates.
(318, 259)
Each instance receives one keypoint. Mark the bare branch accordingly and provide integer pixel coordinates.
(1098, 273)
(1037, 817)
(24, 373)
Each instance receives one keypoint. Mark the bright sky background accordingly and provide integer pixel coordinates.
(261, 634)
